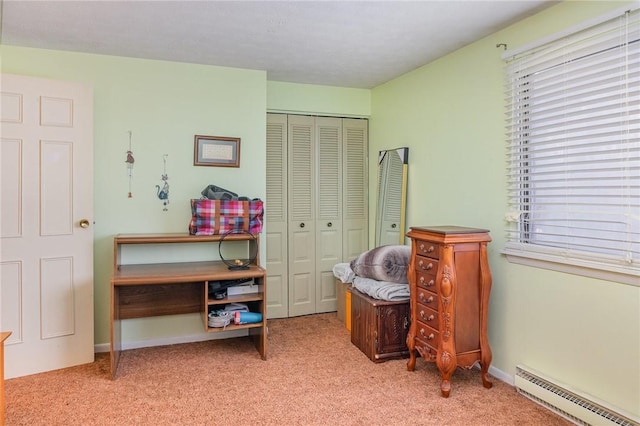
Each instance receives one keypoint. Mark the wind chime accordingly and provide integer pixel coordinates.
(129, 161)
(163, 192)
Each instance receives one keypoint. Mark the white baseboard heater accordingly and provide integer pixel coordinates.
(577, 408)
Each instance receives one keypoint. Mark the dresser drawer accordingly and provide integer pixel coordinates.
(428, 336)
(426, 351)
(429, 249)
(427, 280)
(427, 316)
(426, 265)
(428, 298)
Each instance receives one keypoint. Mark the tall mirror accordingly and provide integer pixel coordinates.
(392, 196)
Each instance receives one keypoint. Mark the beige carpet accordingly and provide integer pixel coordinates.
(313, 376)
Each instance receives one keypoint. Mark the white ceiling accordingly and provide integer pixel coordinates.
(358, 44)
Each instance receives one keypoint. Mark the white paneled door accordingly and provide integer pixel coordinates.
(46, 220)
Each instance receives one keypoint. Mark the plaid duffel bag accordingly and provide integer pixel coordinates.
(217, 217)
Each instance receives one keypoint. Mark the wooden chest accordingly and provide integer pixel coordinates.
(379, 328)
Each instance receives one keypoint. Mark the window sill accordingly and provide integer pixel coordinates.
(546, 258)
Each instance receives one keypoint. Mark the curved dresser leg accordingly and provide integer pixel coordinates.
(445, 388)
(484, 369)
(411, 363)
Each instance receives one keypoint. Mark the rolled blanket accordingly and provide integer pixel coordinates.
(385, 263)
(381, 290)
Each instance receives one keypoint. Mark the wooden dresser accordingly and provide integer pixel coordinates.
(450, 282)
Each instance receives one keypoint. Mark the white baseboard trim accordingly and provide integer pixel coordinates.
(172, 340)
(502, 376)
(498, 374)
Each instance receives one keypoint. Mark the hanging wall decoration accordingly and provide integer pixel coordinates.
(163, 192)
(129, 161)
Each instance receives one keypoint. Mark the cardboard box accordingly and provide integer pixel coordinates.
(343, 301)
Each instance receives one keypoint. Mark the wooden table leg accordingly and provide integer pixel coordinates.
(116, 345)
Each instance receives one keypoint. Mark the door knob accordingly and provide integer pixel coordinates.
(84, 223)
(302, 225)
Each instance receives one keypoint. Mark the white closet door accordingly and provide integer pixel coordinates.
(355, 184)
(276, 217)
(329, 210)
(316, 208)
(302, 207)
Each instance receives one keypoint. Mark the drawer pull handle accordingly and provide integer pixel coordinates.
(426, 318)
(424, 335)
(429, 284)
(429, 318)
(425, 300)
(426, 268)
(431, 249)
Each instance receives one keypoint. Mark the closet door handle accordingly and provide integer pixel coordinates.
(329, 224)
(393, 226)
(302, 225)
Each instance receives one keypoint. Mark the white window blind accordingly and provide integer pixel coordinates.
(573, 129)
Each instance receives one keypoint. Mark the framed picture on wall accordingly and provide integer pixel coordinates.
(219, 151)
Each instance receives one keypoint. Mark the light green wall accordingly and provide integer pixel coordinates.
(164, 104)
(320, 100)
(581, 331)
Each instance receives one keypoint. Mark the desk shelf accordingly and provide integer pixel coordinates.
(154, 289)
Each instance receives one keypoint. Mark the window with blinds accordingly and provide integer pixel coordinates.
(573, 121)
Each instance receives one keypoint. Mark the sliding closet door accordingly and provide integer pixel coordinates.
(355, 183)
(302, 207)
(329, 210)
(276, 217)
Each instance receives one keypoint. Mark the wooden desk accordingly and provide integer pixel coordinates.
(3, 336)
(146, 290)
